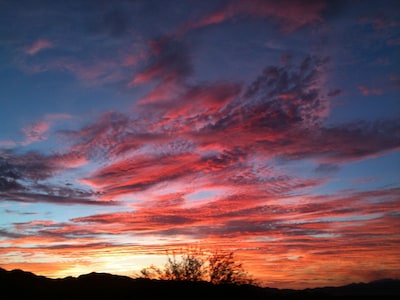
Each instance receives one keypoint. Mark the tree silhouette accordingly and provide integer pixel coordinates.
(196, 265)
(222, 268)
(189, 267)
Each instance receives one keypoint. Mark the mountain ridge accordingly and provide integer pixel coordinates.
(96, 285)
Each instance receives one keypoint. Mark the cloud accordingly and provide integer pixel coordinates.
(169, 61)
(335, 93)
(78, 59)
(380, 23)
(35, 132)
(38, 45)
(23, 179)
(358, 140)
(7, 144)
(220, 134)
(315, 218)
(289, 14)
(369, 91)
(308, 231)
(38, 131)
(203, 100)
(57, 196)
(98, 139)
(92, 71)
(31, 166)
(219, 163)
(339, 144)
(227, 135)
(11, 211)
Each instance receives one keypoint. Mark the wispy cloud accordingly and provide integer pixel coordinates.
(35, 132)
(39, 131)
(369, 91)
(289, 14)
(39, 45)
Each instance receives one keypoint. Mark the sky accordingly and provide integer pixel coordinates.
(266, 128)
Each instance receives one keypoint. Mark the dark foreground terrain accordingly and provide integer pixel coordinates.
(17, 284)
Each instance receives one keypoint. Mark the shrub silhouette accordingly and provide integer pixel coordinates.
(222, 268)
(196, 265)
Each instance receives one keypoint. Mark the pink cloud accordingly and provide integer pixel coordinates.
(38, 46)
(56, 117)
(289, 14)
(69, 160)
(35, 132)
(38, 131)
(7, 143)
(148, 75)
(162, 92)
(369, 91)
(207, 99)
(92, 71)
(168, 61)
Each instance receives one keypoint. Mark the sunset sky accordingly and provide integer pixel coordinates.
(267, 128)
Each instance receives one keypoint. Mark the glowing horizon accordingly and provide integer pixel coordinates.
(270, 129)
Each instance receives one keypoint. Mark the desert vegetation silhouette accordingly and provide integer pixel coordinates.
(193, 264)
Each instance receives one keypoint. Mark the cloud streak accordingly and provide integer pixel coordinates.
(290, 15)
(38, 46)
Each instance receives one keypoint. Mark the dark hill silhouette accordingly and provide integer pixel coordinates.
(19, 284)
